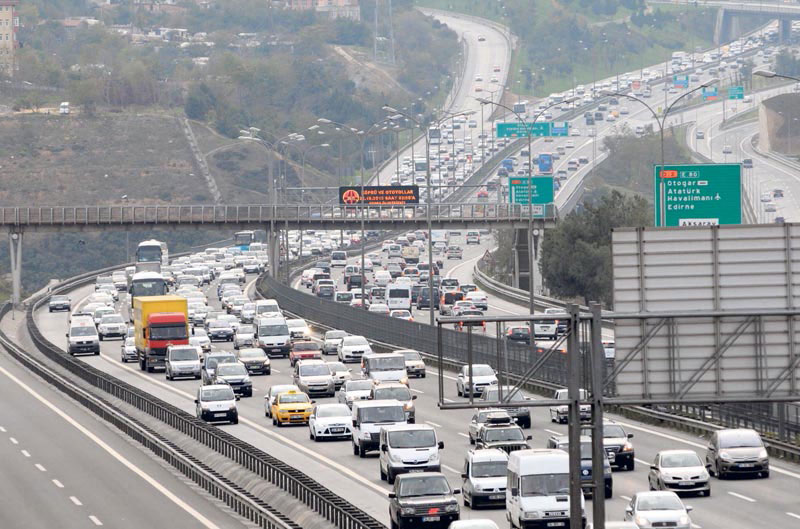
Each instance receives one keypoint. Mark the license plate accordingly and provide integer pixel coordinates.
(746, 465)
(555, 524)
(416, 469)
(337, 430)
(293, 417)
(275, 350)
(431, 518)
(496, 497)
(220, 415)
(686, 483)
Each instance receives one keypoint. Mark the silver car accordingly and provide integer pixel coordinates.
(353, 390)
(244, 336)
(332, 341)
(128, 351)
(314, 378)
(341, 373)
(479, 419)
(679, 471)
(182, 361)
(658, 509)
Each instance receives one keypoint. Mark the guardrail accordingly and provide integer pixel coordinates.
(238, 499)
(317, 497)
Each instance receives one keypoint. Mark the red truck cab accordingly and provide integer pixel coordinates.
(165, 329)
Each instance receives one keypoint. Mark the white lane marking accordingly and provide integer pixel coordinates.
(448, 400)
(418, 391)
(252, 424)
(116, 455)
(25, 453)
(462, 434)
(626, 498)
(2, 429)
(641, 461)
(94, 520)
(75, 500)
(434, 424)
(793, 515)
(40, 467)
(451, 469)
(58, 484)
(772, 468)
(275, 371)
(741, 496)
(13, 440)
(552, 432)
(695, 526)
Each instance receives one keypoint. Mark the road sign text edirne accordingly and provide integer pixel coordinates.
(698, 195)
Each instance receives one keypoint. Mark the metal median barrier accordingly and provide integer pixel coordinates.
(323, 501)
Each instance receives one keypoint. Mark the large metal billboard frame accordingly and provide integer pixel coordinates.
(707, 313)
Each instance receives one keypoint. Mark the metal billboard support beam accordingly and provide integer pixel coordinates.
(15, 253)
(598, 450)
(574, 428)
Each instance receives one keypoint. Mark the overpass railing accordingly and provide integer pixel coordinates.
(261, 214)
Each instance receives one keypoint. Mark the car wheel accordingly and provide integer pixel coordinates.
(361, 452)
(268, 371)
(390, 476)
(707, 493)
(630, 465)
(355, 449)
(235, 420)
(274, 422)
(383, 474)
(720, 473)
(394, 524)
(458, 390)
(609, 491)
(423, 375)
(311, 434)
(471, 440)
(765, 475)
(100, 336)
(166, 373)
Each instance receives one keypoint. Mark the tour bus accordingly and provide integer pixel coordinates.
(152, 251)
(243, 239)
(145, 284)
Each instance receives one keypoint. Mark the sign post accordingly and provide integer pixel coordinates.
(698, 195)
(516, 129)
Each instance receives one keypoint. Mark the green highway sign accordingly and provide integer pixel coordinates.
(698, 195)
(541, 189)
(735, 92)
(517, 129)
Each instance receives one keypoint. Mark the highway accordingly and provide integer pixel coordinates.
(357, 480)
(62, 467)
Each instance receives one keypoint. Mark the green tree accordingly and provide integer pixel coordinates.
(576, 254)
(199, 102)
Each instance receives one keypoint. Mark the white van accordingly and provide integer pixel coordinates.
(369, 416)
(408, 448)
(267, 306)
(398, 296)
(537, 488)
(272, 335)
(385, 367)
(82, 336)
(338, 258)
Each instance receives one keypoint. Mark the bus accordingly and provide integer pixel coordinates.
(243, 239)
(545, 163)
(420, 165)
(152, 251)
(434, 135)
(145, 284)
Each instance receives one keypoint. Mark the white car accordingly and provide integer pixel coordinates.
(245, 336)
(570, 144)
(401, 314)
(332, 340)
(483, 376)
(478, 299)
(128, 351)
(274, 391)
(379, 308)
(216, 402)
(681, 471)
(352, 348)
(112, 325)
(329, 421)
(298, 328)
(658, 509)
(200, 338)
(353, 390)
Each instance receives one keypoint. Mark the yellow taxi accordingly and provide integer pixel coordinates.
(291, 407)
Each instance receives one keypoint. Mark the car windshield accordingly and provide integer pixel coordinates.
(344, 296)
(336, 367)
(219, 324)
(251, 353)
(246, 329)
(216, 394)
(212, 362)
(314, 370)
(383, 414)
(412, 355)
(200, 333)
(359, 385)
(273, 330)
(412, 439)
(612, 430)
(504, 434)
(480, 371)
(168, 332)
(335, 335)
(296, 324)
(423, 486)
(333, 410)
(354, 340)
(183, 353)
(305, 346)
(231, 369)
(659, 502)
(396, 393)
(683, 459)
(739, 439)
(59, 298)
(493, 393)
(544, 484)
(293, 398)
(392, 363)
(114, 318)
(83, 331)
(489, 469)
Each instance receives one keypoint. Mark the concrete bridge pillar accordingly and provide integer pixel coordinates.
(15, 254)
(784, 29)
(722, 27)
(274, 249)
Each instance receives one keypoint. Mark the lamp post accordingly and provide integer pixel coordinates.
(361, 136)
(303, 158)
(422, 126)
(528, 134)
(661, 122)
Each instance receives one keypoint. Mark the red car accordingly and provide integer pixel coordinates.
(304, 350)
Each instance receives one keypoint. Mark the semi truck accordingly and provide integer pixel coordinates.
(159, 321)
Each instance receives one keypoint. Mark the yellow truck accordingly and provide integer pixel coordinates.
(159, 321)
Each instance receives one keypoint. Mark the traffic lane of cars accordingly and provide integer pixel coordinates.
(451, 425)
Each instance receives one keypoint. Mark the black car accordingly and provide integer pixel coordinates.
(424, 298)
(210, 363)
(353, 282)
(423, 499)
(59, 303)
(561, 442)
(326, 291)
(220, 330)
(415, 290)
(519, 334)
